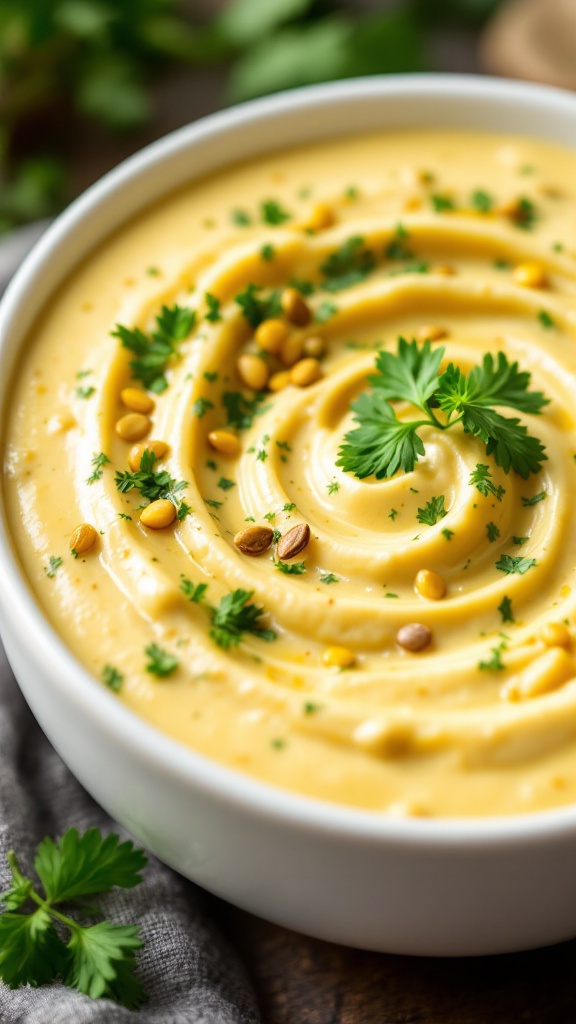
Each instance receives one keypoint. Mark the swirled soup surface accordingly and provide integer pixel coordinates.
(465, 239)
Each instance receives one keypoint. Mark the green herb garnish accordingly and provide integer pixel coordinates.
(40, 944)
(112, 678)
(99, 460)
(432, 511)
(152, 484)
(492, 531)
(515, 564)
(505, 609)
(153, 353)
(382, 444)
(348, 265)
(291, 568)
(234, 616)
(256, 307)
(54, 563)
(160, 662)
(481, 478)
(272, 213)
(213, 315)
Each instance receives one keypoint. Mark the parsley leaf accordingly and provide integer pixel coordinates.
(112, 678)
(397, 249)
(505, 609)
(291, 568)
(99, 959)
(257, 308)
(160, 662)
(54, 563)
(241, 410)
(99, 460)
(432, 511)
(153, 354)
(492, 531)
(515, 564)
(382, 443)
(495, 664)
(348, 265)
(194, 592)
(528, 502)
(234, 616)
(213, 315)
(152, 484)
(482, 201)
(272, 213)
(481, 478)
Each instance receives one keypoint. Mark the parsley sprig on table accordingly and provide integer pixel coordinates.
(381, 444)
(153, 353)
(39, 943)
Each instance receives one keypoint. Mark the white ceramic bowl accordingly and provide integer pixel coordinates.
(441, 887)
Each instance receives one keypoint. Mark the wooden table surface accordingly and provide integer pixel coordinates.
(304, 981)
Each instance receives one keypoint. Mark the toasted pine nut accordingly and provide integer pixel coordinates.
(314, 346)
(133, 426)
(270, 335)
(431, 332)
(158, 514)
(252, 371)
(83, 538)
(278, 381)
(254, 540)
(338, 657)
(414, 637)
(530, 275)
(291, 350)
(224, 442)
(305, 372)
(137, 400)
(296, 310)
(158, 448)
(556, 634)
(430, 585)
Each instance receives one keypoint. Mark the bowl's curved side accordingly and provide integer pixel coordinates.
(409, 887)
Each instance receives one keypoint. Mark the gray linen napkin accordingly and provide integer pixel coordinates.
(191, 974)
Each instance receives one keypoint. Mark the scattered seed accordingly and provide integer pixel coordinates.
(133, 426)
(158, 448)
(158, 514)
(137, 400)
(254, 540)
(253, 371)
(293, 541)
(414, 637)
(83, 538)
(224, 442)
(305, 372)
(295, 309)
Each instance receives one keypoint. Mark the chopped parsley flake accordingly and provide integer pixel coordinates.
(333, 487)
(291, 568)
(160, 663)
(481, 478)
(495, 664)
(432, 511)
(54, 563)
(441, 203)
(546, 320)
(505, 609)
(234, 616)
(482, 201)
(325, 311)
(268, 252)
(211, 376)
(112, 678)
(492, 531)
(272, 213)
(519, 540)
(195, 592)
(525, 215)
(240, 410)
(515, 564)
(85, 392)
(152, 484)
(348, 265)
(397, 249)
(329, 577)
(448, 534)
(153, 353)
(310, 707)
(99, 460)
(392, 514)
(212, 503)
(528, 502)
(225, 484)
(213, 303)
(257, 308)
(201, 406)
(240, 218)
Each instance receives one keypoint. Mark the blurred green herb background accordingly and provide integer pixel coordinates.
(81, 81)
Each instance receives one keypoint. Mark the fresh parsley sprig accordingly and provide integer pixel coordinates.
(383, 444)
(153, 353)
(152, 484)
(39, 943)
(233, 616)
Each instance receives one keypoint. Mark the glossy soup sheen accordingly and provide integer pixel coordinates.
(471, 242)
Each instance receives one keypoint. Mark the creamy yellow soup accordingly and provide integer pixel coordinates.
(309, 679)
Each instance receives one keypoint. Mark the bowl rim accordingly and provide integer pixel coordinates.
(76, 684)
